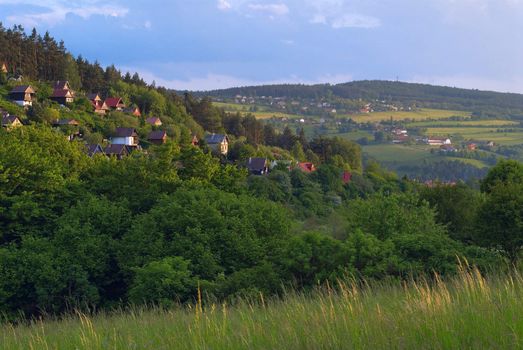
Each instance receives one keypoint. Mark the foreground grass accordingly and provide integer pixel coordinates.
(468, 312)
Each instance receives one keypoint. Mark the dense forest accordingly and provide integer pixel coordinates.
(482, 103)
(168, 223)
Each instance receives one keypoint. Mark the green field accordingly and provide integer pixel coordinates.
(466, 312)
(467, 123)
(421, 114)
(480, 134)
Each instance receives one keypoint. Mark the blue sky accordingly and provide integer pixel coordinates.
(208, 44)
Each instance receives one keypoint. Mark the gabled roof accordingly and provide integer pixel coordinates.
(116, 150)
(133, 110)
(125, 132)
(157, 135)
(256, 164)
(61, 93)
(27, 89)
(10, 119)
(94, 97)
(154, 121)
(114, 102)
(306, 167)
(215, 138)
(66, 122)
(94, 149)
(62, 85)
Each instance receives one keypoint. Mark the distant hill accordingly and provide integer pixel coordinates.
(421, 95)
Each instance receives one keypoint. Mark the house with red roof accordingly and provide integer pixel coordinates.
(306, 167)
(98, 104)
(115, 103)
(133, 111)
(62, 93)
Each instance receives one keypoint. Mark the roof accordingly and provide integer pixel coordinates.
(61, 93)
(94, 97)
(116, 149)
(215, 138)
(113, 102)
(66, 122)
(28, 89)
(94, 149)
(307, 167)
(9, 119)
(257, 163)
(157, 135)
(61, 85)
(125, 132)
(153, 121)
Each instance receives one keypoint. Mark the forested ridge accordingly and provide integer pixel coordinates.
(174, 220)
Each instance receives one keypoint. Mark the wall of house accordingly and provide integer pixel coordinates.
(122, 141)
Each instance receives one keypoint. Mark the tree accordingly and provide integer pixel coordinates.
(506, 171)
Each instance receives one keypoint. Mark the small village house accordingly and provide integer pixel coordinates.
(3, 68)
(62, 93)
(22, 95)
(133, 111)
(438, 141)
(154, 121)
(306, 167)
(100, 107)
(115, 103)
(258, 166)
(218, 143)
(117, 150)
(11, 121)
(125, 136)
(195, 141)
(94, 149)
(447, 148)
(68, 126)
(158, 137)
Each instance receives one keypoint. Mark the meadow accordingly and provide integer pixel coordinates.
(469, 311)
(417, 115)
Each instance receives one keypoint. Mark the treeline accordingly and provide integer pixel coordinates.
(482, 103)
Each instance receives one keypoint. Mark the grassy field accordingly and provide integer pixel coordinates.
(418, 115)
(466, 123)
(482, 134)
(466, 312)
(399, 153)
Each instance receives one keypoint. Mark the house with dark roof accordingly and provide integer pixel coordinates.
(118, 151)
(115, 103)
(218, 143)
(68, 127)
(93, 149)
(11, 121)
(154, 121)
(22, 95)
(100, 107)
(62, 93)
(158, 137)
(133, 111)
(3, 68)
(258, 166)
(125, 136)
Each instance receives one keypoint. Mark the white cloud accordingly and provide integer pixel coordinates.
(147, 24)
(224, 5)
(271, 9)
(57, 10)
(355, 21)
(339, 14)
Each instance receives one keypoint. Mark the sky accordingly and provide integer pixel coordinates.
(212, 44)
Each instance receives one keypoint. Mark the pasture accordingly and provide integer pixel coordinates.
(417, 115)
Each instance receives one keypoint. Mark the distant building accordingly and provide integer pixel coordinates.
(100, 107)
(115, 103)
(154, 121)
(447, 148)
(125, 136)
(62, 93)
(3, 68)
(306, 167)
(258, 166)
(195, 141)
(10, 121)
(65, 122)
(438, 141)
(218, 143)
(157, 137)
(117, 150)
(22, 95)
(94, 149)
(133, 111)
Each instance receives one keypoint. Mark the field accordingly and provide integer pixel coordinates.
(466, 123)
(466, 312)
(418, 115)
(480, 134)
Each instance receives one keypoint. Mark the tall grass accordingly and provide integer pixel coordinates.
(466, 312)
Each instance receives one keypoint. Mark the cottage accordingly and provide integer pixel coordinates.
(69, 126)
(3, 68)
(133, 111)
(438, 141)
(195, 141)
(306, 167)
(94, 149)
(447, 148)
(100, 107)
(22, 95)
(62, 93)
(117, 150)
(258, 166)
(157, 137)
(218, 143)
(115, 103)
(154, 121)
(125, 136)
(400, 139)
(65, 122)
(11, 121)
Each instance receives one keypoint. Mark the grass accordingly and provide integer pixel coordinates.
(465, 312)
(481, 134)
(418, 115)
(399, 153)
(466, 123)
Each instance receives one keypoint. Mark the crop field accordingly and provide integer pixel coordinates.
(466, 123)
(469, 311)
(481, 134)
(418, 115)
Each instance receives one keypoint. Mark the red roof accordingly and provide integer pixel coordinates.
(114, 102)
(61, 93)
(307, 167)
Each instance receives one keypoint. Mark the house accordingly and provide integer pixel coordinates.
(399, 131)
(3, 68)
(437, 141)
(258, 166)
(115, 103)
(125, 136)
(400, 139)
(157, 137)
(65, 122)
(306, 167)
(69, 126)
(100, 107)
(22, 95)
(154, 121)
(11, 121)
(195, 141)
(447, 148)
(94, 149)
(117, 150)
(133, 110)
(218, 143)
(472, 146)
(62, 93)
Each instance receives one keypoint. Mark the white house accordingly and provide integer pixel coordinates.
(218, 143)
(438, 141)
(125, 136)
